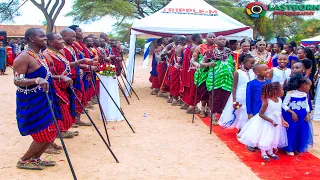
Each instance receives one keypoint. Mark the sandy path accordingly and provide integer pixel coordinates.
(166, 144)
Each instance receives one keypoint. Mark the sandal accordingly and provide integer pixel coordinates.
(81, 123)
(215, 122)
(75, 125)
(202, 114)
(266, 158)
(252, 149)
(184, 106)
(56, 146)
(29, 165)
(153, 93)
(44, 163)
(176, 103)
(191, 111)
(163, 95)
(51, 150)
(273, 156)
(75, 133)
(67, 135)
(169, 100)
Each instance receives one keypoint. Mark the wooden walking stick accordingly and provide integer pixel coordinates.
(131, 88)
(116, 104)
(104, 119)
(165, 76)
(124, 84)
(119, 85)
(61, 139)
(211, 106)
(195, 99)
(95, 126)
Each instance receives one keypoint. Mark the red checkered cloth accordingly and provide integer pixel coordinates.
(185, 75)
(155, 82)
(46, 135)
(67, 120)
(161, 68)
(98, 86)
(82, 97)
(175, 82)
(190, 92)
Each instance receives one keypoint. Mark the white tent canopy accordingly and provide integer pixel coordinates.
(314, 40)
(189, 17)
(185, 17)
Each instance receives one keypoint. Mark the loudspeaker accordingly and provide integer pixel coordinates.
(3, 37)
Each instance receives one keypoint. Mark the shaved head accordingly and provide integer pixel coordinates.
(68, 35)
(66, 30)
(211, 35)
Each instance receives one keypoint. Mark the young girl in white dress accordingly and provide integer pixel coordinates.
(233, 117)
(266, 130)
(281, 72)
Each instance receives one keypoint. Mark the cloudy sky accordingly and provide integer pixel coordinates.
(32, 15)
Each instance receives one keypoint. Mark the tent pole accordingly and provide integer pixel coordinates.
(134, 62)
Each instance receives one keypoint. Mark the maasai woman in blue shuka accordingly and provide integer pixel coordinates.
(33, 112)
(296, 113)
(2, 58)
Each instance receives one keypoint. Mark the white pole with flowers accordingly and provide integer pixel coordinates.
(107, 76)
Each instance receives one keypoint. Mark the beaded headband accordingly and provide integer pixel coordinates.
(245, 43)
(261, 42)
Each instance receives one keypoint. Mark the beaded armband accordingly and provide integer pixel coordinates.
(19, 77)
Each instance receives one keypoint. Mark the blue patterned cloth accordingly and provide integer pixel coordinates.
(33, 110)
(153, 71)
(299, 133)
(2, 59)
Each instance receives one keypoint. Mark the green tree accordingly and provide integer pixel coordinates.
(310, 27)
(88, 11)
(122, 32)
(9, 10)
(140, 43)
(50, 12)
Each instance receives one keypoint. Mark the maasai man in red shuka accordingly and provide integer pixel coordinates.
(84, 53)
(72, 55)
(88, 41)
(116, 59)
(153, 73)
(190, 92)
(162, 67)
(201, 75)
(35, 91)
(60, 67)
(170, 51)
(187, 54)
(175, 73)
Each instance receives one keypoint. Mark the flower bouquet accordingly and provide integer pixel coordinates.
(108, 70)
(236, 105)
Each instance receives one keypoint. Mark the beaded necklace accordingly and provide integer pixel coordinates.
(283, 71)
(247, 72)
(42, 62)
(260, 58)
(62, 59)
(220, 55)
(71, 50)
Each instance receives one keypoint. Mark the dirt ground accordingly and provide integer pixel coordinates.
(166, 144)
